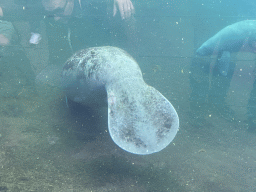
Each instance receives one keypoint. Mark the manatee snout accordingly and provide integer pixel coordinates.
(203, 51)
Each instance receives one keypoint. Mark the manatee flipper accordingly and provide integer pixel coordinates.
(223, 63)
(140, 119)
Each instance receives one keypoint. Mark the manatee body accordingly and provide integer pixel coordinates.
(140, 119)
(240, 36)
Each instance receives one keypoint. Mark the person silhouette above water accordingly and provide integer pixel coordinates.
(122, 30)
(65, 8)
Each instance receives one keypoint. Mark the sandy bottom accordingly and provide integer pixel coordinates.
(45, 146)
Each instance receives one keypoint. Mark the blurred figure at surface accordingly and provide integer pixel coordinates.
(6, 33)
(64, 8)
(100, 13)
(22, 24)
(3, 39)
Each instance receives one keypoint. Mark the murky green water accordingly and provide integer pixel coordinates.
(47, 146)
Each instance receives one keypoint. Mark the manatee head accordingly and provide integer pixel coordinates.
(204, 50)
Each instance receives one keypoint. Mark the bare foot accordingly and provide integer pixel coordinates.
(1, 12)
(4, 40)
(125, 7)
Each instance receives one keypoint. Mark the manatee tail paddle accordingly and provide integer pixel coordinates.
(140, 119)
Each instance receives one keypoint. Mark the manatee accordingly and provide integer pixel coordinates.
(140, 119)
(240, 36)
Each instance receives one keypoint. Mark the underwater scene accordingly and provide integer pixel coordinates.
(127, 95)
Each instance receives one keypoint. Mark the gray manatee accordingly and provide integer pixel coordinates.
(140, 119)
(240, 36)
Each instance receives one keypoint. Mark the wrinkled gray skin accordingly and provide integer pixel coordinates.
(140, 119)
(240, 36)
